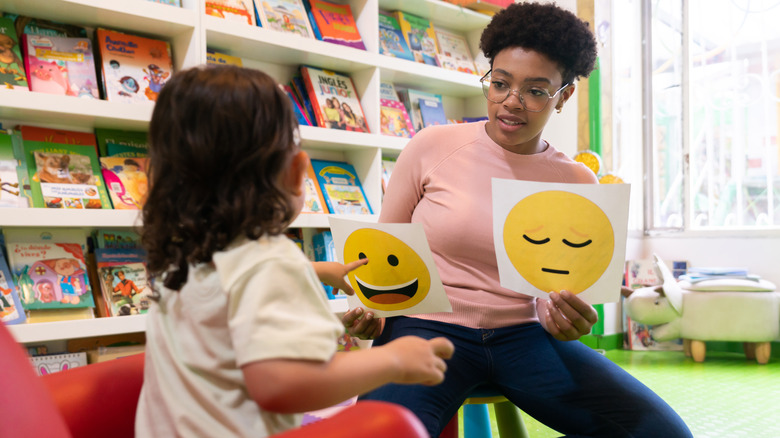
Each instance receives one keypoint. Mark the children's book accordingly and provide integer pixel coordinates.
(37, 26)
(391, 39)
(394, 119)
(432, 112)
(334, 99)
(388, 164)
(300, 114)
(387, 91)
(10, 190)
(234, 10)
(341, 187)
(314, 202)
(303, 97)
(420, 37)
(49, 267)
(482, 64)
(124, 280)
(65, 176)
(117, 239)
(113, 142)
(335, 23)
(134, 68)
(411, 99)
(454, 53)
(325, 251)
(52, 363)
(49, 135)
(284, 16)
(60, 65)
(12, 73)
(126, 180)
(219, 58)
(11, 310)
(17, 144)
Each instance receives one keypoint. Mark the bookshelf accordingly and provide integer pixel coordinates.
(190, 33)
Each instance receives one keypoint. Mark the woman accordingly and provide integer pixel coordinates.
(508, 341)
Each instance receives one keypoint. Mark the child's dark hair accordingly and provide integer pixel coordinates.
(220, 141)
(545, 28)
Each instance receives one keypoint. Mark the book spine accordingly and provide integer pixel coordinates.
(321, 122)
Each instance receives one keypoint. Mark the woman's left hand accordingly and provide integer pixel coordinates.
(565, 316)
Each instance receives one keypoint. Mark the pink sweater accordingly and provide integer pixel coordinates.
(443, 180)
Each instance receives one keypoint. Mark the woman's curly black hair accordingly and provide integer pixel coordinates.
(545, 28)
(220, 141)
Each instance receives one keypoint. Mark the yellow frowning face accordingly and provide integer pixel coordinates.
(395, 276)
(559, 241)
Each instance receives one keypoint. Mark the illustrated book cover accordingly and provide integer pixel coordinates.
(233, 10)
(314, 202)
(113, 142)
(124, 281)
(65, 176)
(454, 53)
(50, 135)
(284, 16)
(126, 180)
(387, 91)
(219, 58)
(300, 113)
(394, 119)
(335, 23)
(60, 65)
(116, 239)
(11, 310)
(432, 112)
(12, 73)
(411, 99)
(134, 68)
(420, 37)
(299, 87)
(325, 251)
(334, 99)
(49, 267)
(341, 187)
(388, 164)
(391, 39)
(10, 186)
(52, 363)
(37, 26)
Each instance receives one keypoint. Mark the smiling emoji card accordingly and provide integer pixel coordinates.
(556, 236)
(400, 277)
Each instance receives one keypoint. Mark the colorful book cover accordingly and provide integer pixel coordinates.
(454, 53)
(124, 280)
(25, 192)
(336, 24)
(126, 180)
(219, 58)
(12, 74)
(300, 114)
(334, 100)
(313, 201)
(411, 99)
(387, 91)
(37, 26)
(388, 164)
(117, 239)
(432, 112)
(341, 187)
(136, 141)
(303, 97)
(37, 133)
(49, 268)
(134, 68)
(60, 65)
(53, 363)
(10, 190)
(325, 251)
(65, 176)
(394, 120)
(285, 16)
(420, 37)
(234, 10)
(391, 39)
(11, 310)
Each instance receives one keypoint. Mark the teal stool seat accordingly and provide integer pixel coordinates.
(476, 419)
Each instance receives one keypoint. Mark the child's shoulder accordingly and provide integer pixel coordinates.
(245, 255)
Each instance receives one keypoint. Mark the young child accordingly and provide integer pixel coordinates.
(241, 339)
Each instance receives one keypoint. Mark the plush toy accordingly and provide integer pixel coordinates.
(714, 310)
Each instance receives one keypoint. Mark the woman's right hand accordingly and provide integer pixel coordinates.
(362, 324)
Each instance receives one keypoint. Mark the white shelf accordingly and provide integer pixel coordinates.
(86, 328)
(55, 217)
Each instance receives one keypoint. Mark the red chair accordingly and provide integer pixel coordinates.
(100, 400)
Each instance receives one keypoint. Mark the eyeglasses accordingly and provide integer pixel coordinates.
(533, 98)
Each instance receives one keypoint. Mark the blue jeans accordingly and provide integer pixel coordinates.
(565, 385)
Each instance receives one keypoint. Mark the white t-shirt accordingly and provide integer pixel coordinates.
(258, 300)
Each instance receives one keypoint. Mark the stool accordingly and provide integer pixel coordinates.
(476, 419)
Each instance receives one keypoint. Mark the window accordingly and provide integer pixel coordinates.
(710, 79)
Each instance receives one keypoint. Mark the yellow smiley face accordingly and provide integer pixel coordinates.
(559, 241)
(395, 276)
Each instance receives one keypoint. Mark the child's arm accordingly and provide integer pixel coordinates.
(289, 386)
(333, 273)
